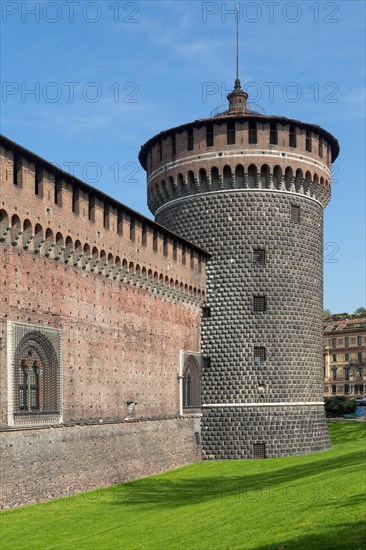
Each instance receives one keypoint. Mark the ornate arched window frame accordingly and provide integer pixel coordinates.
(34, 375)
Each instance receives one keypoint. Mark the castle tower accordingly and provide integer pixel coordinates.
(251, 189)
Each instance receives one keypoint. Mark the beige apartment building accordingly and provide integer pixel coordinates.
(345, 358)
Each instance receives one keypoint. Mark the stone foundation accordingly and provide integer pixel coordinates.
(40, 464)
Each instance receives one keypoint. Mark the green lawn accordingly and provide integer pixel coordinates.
(312, 502)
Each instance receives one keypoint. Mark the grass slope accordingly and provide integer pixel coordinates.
(311, 502)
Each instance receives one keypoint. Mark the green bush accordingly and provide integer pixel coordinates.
(338, 406)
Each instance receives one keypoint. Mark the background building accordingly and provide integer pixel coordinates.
(345, 358)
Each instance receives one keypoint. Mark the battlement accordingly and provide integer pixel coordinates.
(45, 211)
(239, 152)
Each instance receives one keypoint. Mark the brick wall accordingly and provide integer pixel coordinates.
(119, 342)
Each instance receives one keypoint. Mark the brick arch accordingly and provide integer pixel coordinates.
(180, 185)
(203, 181)
(252, 176)
(59, 239)
(227, 177)
(277, 175)
(239, 176)
(4, 218)
(298, 180)
(49, 235)
(289, 178)
(27, 227)
(265, 176)
(215, 179)
(35, 349)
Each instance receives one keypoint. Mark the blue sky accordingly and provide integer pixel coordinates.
(108, 75)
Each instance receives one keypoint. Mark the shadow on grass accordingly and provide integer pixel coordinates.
(167, 493)
(343, 537)
(343, 431)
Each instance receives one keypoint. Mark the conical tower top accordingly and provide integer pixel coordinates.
(237, 99)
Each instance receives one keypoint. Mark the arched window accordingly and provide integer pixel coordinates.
(191, 383)
(36, 376)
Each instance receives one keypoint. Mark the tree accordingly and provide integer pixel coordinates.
(340, 405)
(360, 312)
(327, 314)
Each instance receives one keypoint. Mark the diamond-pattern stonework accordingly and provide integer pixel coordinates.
(230, 226)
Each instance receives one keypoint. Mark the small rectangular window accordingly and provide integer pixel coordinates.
(360, 388)
(165, 245)
(132, 229)
(199, 263)
(38, 177)
(16, 169)
(334, 390)
(91, 208)
(259, 256)
(209, 135)
(273, 134)
(206, 362)
(295, 214)
(259, 303)
(334, 357)
(193, 255)
(160, 151)
(155, 239)
(346, 356)
(106, 216)
(334, 373)
(308, 140)
(359, 356)
(252, 137)
(259, 450)
(292, 136)
(259, 355)
(346, 373)
(58, 191)
(230, 133)
(174, 146)
(334, 342)
(184, 254)
(75, 199)
(206, 312)
(346, 388)
(144, 234)
(359, 340)
(346, 341)
(120, 222)
(190, 139)
(320, 151)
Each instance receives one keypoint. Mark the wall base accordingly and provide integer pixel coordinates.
(239, 433)
(54, 462)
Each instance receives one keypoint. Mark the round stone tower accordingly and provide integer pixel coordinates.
(251, 189)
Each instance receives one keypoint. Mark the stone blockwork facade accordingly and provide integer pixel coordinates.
(251, 190)
(232, 226)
